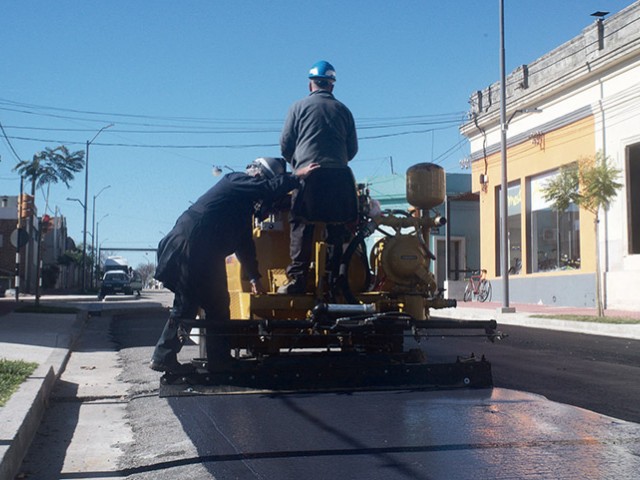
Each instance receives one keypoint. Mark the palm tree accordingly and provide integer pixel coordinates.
(47, 167)
(590, 183)
(51, 166)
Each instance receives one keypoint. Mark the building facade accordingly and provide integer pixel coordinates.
(462, 228)
(8, 251)
(578, 101)
(54, 243)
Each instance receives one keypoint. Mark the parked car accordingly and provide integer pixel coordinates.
(115, 281)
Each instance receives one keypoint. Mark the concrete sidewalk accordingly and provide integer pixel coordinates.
(525, 315)
(48, 339)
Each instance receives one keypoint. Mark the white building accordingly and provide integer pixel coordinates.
(587, 92)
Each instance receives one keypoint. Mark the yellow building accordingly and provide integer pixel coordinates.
(580, 99)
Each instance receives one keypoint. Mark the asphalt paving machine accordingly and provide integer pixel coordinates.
(360, 322)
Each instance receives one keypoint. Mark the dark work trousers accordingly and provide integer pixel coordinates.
(327, 197)
(301, 247)
(203, 285)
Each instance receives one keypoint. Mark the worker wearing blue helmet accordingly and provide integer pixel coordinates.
(324, 70)
(318, 129)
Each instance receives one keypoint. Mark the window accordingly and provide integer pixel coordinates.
(633, 197)
(555, 236)
(514, 230)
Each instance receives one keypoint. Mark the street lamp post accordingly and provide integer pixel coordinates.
(98, 245)
(85, 233)
(504, 210)
(217, 170)
(76, 200)
(93, 230)
(86, 194)
(504, 241)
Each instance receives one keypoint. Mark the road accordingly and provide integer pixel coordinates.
(588, 371)
(387, 435)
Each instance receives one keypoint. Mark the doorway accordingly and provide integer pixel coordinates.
(457, 259)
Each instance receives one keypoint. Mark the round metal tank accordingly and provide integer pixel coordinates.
(426, 185)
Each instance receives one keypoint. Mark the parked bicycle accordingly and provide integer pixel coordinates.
(478, 286)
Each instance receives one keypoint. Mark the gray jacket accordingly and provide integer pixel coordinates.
(319, 129)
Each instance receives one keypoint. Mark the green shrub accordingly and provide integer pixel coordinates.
(12, 374)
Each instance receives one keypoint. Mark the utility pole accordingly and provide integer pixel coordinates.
(86, 198)
(19, 226)
(504, 211)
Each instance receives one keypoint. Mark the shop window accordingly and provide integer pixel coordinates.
(555, 236)
(633, 197)
(514, 230)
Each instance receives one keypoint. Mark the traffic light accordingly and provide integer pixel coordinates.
(20, 207)
(26, 206)
(46, 224)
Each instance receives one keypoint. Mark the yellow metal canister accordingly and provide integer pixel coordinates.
(426, 185)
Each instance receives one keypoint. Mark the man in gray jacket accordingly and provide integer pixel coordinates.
(318, 129)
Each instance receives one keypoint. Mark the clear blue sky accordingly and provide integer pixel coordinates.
(193, 84)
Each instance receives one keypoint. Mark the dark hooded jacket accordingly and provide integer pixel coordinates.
(218, 224)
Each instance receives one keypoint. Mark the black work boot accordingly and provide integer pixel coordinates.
(172, 367)
(294, 286)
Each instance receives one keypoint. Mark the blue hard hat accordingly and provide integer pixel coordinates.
(323, 69)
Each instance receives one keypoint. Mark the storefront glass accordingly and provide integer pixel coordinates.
(514, 230)
(555, 236)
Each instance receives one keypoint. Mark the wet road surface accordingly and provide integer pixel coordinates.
(488, 433)
(464, 434)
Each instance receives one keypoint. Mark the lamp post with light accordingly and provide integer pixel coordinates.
(504, 125)
(217, 170)
(86, 195)
(99, 245)
(84, 233)
(504, 242)
(93, 230)
(76, 200)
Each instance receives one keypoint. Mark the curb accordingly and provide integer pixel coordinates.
(530, 320)
(23, 413)
(21, 417)
(27, 413)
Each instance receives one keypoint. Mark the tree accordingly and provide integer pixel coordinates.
(146, 271)
(47, 167)
(51, 166)
(71, 257)
(590, 183)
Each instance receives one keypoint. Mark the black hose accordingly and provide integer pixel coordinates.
(343, 278)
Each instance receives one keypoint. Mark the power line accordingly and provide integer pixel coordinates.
(375, 122)
(183, 125)
(6, 139)
(140, 145)
(209, 146)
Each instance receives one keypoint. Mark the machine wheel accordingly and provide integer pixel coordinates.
(484, 291)
(468, 293)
